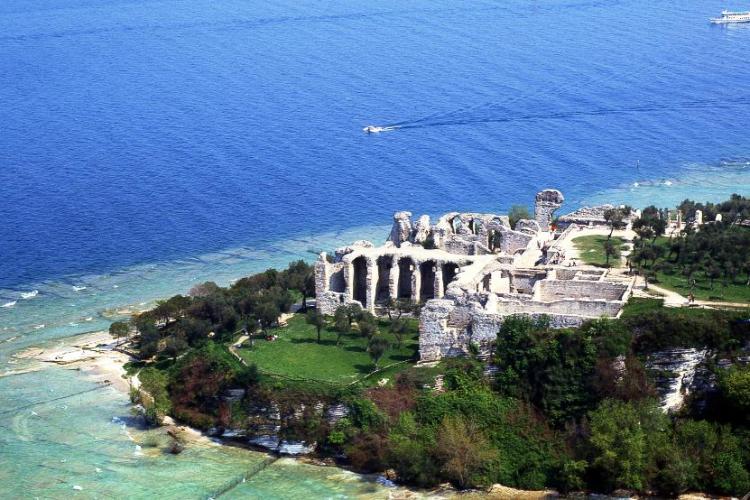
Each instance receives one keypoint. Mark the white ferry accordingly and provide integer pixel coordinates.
(731, 17)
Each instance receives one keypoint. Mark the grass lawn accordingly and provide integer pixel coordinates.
(591, 249)
(297, 354)
(637, 306)
(676, 281)
(733, 292)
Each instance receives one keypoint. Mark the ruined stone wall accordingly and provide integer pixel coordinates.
(563, 274)
(549, 290)
(564, 307)
(460, 245)
(448, 329)
(514, 241)
(330, 284)
(328, 302)
(524, 282)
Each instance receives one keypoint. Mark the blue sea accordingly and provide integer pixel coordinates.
(147, 145)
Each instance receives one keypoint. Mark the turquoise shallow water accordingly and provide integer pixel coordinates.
(60, 430)
(63, 436)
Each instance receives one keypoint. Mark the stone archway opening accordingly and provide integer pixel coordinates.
(495, 240)
(450, 270)
(383, 292)
(456, 224)
(405, 272)
(359, 283)
(427, 272)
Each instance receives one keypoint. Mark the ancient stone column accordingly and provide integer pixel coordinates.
(372, 284)
(546, 203)
(349, 281)
(321, 275)
(439, 280)
(416, 282)
(393, 279)
(401, 230)
(421, 230)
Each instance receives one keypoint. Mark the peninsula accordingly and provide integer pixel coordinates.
(603, 350)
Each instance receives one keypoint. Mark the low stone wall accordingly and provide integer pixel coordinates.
(551, 290)
(563, 307)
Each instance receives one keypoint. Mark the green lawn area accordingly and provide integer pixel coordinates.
(674, 280)
(297, 354)
(591, 249)
(637, 306)
(733, 292)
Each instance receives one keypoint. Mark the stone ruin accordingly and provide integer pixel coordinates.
(470, 271)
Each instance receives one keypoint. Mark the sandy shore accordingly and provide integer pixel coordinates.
(91, 353)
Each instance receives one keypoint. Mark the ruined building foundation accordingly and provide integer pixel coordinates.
(470, 271)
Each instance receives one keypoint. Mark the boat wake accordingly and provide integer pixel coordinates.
(502, 113)
(9, 304)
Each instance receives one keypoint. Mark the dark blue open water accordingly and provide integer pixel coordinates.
(139, 131)
(146, 145)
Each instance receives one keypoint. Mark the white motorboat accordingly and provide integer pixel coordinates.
(728, 17)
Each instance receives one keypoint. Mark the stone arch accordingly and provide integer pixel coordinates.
(427, 273)
(456, 224)
(337, 282)
(494, 240)
(486, 282)
(405, 272)
(450, 270)
(382, 290)
(359, 280)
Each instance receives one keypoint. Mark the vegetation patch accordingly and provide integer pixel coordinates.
(599, 250)
(341, 359)
(708, 262)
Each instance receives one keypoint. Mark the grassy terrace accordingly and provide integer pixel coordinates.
(668, 275)
(591, 249)
(732, 292)
(296, 353)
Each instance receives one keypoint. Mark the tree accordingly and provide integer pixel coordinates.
(149, 340)
(398, 328)
(650, 224)
(119, 330)
(204, 289)
(610, 250)
(353, 312)
(624, 439)
(734, 385)
(462, 449)
(175, 345)
(316, 319)
(341, 323)
(376, 348)
(300, 276)
(615, 218)
(268, 313)
(713, 272)
(516, 213)
(368, 325)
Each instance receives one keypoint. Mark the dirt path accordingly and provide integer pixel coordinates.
(674, 299)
